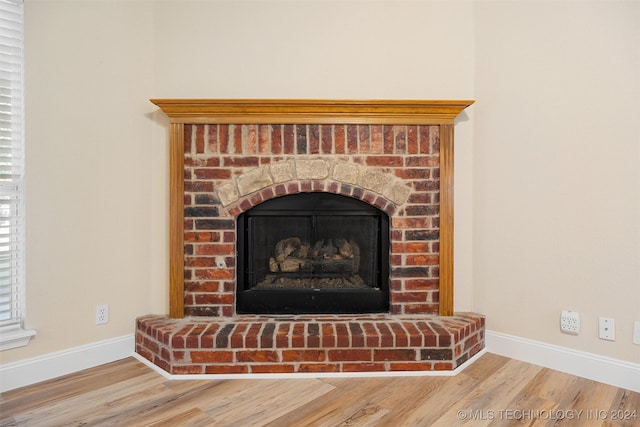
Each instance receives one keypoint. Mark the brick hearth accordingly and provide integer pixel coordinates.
(228, 156)
(289, 344)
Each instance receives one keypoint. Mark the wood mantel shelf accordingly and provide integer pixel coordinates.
(182, 112)
(297, 111)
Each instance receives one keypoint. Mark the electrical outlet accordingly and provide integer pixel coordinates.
(636, 332)
(570, 322)
(102, 314)
(607, 329)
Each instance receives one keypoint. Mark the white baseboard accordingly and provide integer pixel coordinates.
(587, 365)
(42, 368)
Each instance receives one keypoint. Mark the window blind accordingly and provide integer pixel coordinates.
(11, 164)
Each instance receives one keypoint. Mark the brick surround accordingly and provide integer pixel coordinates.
(229, 156)
(230, 168)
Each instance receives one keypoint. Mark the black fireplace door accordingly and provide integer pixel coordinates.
(313, 253)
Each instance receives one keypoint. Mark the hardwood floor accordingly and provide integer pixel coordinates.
(493, 391)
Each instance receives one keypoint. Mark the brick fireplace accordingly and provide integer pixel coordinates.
(228, 156)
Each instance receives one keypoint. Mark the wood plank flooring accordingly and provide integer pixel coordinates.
(493, 391)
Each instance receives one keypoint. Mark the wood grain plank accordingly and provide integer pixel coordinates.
(192, 417)
(269, 400)
(129, 393)
(348, 397)
(490, 395)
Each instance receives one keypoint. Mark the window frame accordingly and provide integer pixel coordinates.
(12, 179)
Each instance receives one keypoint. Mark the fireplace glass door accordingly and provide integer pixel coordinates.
(313, 253)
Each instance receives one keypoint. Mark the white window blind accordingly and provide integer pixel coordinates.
(11, 176)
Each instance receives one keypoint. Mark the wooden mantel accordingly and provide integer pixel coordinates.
(265, 111)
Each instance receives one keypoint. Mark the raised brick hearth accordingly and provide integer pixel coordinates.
(288, 344)
(229, 156)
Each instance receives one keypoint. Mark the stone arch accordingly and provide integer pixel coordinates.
(384, 190)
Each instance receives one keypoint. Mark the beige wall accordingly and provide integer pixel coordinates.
(97, 182)
(557, 169)
(91, 213)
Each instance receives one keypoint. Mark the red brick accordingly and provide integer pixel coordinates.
(314, 139)
(251, 337)
(215, 249)
(436, 354)
(410, 297)
(372, 338)
(241, 161)
(211, 273)
(223, 138)
(401, 339)
(282, 336)
(297, 337)
(385, 161)
(313, 335)
(250, 139)
(394, 354)
(443, 366)
(303, 356)
(357, 337)
(211, 173)
(422, 259)
(226, 369)
(276, 139)
(326, 139)
(319, 367)
(352, 139)
(386, 336)
(209, 286)
(257, 356)
(187, 369)
(212, 138)
(216, 356)
(376, 139)
(236, 339)
(214, 299)
(328, 335)
(199, 139)
(201, 261)
(188, 138)
(264, 133)
(288, 135)
(342, 335)
(363, 367)
(202, 162)
(410, 366)
(272, 369)
(349, 355)
(421, 284)
(364, 139)
(236, 139)
(471, 341)
(423, 139)
(266, 337)
(415, 337)
(412, 140)
(421, 308)
(339, 138)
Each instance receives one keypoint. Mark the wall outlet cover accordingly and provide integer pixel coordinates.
(607, 329)
(570, 322)
(102, 314)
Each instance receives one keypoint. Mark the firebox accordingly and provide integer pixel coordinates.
(313, 253)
